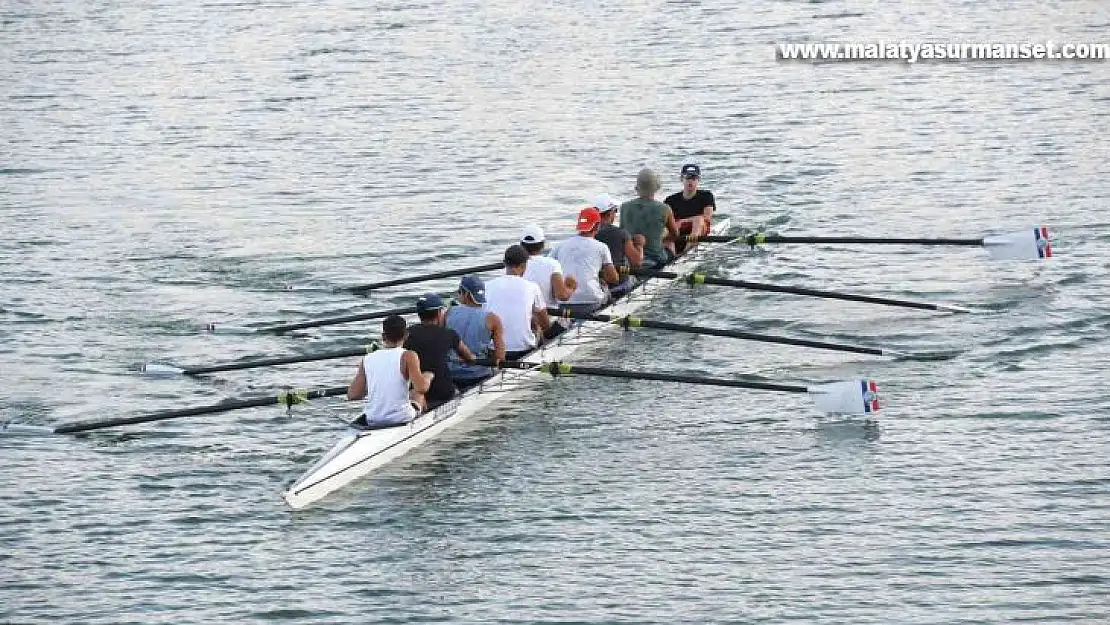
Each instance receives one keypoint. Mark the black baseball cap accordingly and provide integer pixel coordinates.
(690, 170)
(429, 302)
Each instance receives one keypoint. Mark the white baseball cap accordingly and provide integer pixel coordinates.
(604, 203)
(532, 233)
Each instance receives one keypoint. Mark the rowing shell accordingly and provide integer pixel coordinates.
(359, 452)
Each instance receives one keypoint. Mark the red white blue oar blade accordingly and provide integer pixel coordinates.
(848, 397)
(1032, 243)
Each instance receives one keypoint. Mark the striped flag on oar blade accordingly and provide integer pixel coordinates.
(848, 397)
(1031, 244)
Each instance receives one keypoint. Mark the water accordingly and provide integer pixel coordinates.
(168, 166)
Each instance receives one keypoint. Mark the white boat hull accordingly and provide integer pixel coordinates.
(360, 452)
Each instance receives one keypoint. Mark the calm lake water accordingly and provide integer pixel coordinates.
(171, 165)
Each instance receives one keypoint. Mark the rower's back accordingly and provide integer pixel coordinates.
(539, 272)
(433, 343)
(470, 324)
(615, 238)
(514, 299)
(387, 390)
(648, 217)
(584, 257)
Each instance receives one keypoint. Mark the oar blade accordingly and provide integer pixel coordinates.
(1030, 244)
(219, 328)
(24, 429)
(159, 370)
(847, 397)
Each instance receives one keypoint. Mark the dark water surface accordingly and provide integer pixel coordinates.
(170, 165)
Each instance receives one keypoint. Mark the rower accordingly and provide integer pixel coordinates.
(384, 377)
(651, 218)
(480, 329)
(693, 207)
(518, 303)
(432, 342)
(585, 259)
(627, 250)
(545, 271)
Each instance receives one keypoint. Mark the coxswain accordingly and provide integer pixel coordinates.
(693, 207)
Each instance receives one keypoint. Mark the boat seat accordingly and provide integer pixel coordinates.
(360, 424)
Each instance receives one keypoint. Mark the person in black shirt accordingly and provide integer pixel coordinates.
(693, 208)
(432, 341)
(627, 250)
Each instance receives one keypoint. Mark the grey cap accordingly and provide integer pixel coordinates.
(647, 181)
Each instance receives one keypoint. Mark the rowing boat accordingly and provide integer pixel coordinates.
(360, 452)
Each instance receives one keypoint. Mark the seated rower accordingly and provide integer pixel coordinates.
(693, 207)
(480, 329)
(585, 259)
(627, 250)
(384, 377)
(519, 304)
(432, 342)
(651, 218)
(545, 271)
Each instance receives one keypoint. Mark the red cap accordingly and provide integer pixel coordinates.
(588, 218)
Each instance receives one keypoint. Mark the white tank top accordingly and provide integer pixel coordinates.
(387, 391)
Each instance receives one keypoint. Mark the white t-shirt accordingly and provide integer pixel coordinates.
(513, 299)
(539, 271)
(583, 258)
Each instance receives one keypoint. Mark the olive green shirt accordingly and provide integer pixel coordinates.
(649, 218)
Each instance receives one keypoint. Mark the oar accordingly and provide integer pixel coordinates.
(637, 322)
(1030, 244)
(847, 397)
(363, 288)
(288, 398)
(164, 370)
(700, 278)
(330, 321)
